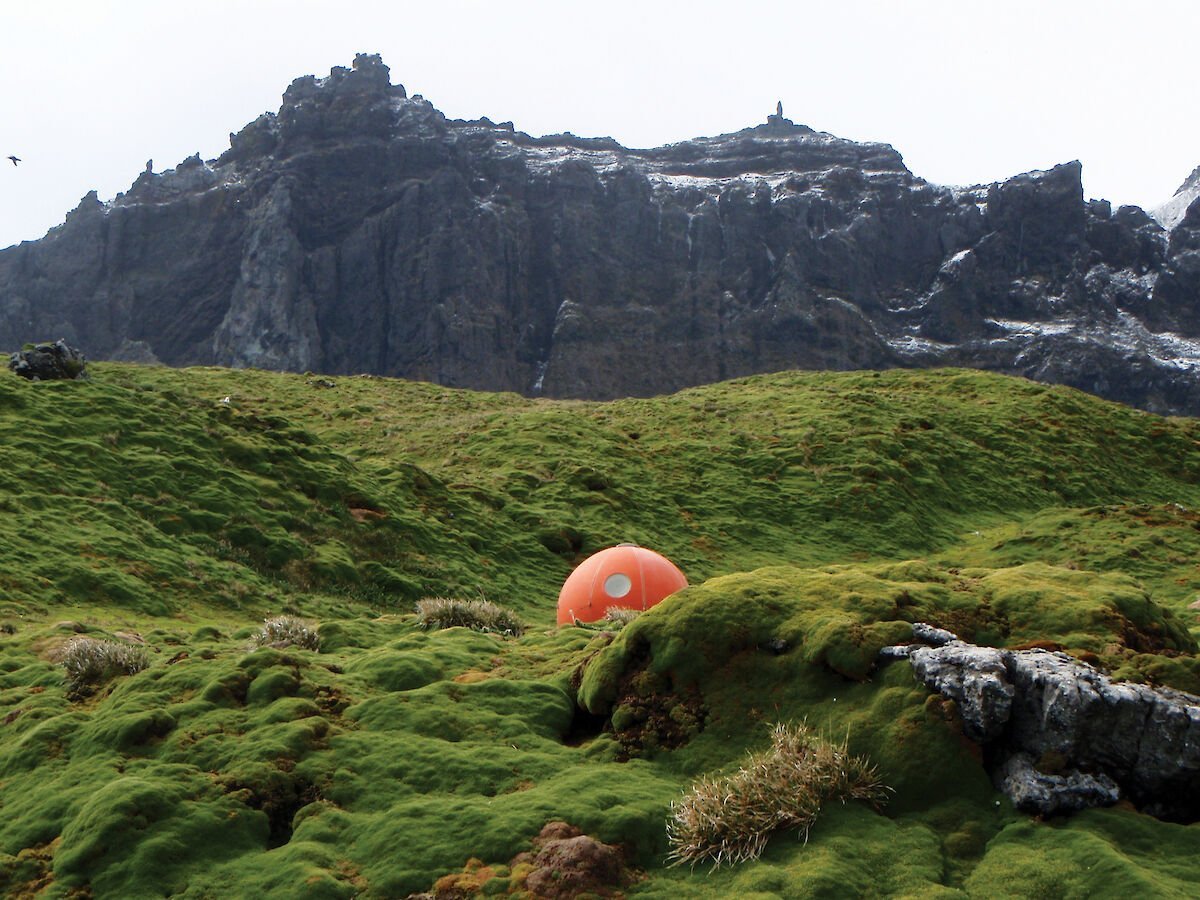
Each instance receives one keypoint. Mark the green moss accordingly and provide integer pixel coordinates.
(1107, 853)
(137, 835)
(817, 515)
(839, 617)
(393, 671)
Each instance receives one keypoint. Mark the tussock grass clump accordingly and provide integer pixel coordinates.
(729, 819)
(89, 662)
(480, 615)
(286, 631)
(620, 615)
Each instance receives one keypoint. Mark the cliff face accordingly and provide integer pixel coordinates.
(359, 230)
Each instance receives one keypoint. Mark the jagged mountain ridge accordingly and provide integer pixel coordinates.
(359, 230)
(1171, 213)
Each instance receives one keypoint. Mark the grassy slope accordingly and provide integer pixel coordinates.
(824, 510)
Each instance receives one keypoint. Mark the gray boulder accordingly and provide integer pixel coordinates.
(976, 678)
(1060, 735)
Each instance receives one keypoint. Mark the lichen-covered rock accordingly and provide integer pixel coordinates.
(976, 678)
(1147, 739)
(1107, 739)
(49, 362)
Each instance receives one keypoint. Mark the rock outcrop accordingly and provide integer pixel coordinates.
(1061, 736)
(359, 229)
(49, 362)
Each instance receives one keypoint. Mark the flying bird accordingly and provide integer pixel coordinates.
(15, 159)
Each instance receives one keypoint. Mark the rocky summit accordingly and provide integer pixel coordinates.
(360, 230)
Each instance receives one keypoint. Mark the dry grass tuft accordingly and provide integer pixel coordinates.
(729, 819)
(481, 615)
(286, 631)
(89, 662)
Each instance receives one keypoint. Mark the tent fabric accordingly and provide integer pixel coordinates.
(625, 576)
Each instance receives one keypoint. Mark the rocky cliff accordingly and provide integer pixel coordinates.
(359, 230)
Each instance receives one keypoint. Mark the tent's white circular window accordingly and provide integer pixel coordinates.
(617, 585)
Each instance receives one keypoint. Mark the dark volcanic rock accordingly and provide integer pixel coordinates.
(49, 362)
(1047, 794)
(358, 229)
(1061, 736)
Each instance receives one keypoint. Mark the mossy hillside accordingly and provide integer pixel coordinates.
(750, 649)
(1159, 544)
(880, 464)
(322, 765)
(839, 617)
(375, 769)
(124, 492)
(763, 645)
(797, 468)
(395, 754)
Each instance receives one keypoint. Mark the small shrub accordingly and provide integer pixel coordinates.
(620, 615)
(729, 819)
(286, 631)
(89, 662)
(8, 628)
(481, 615)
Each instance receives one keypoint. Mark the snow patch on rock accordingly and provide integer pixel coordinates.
(1172, 212)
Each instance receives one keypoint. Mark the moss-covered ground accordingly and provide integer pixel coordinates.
(816, 515)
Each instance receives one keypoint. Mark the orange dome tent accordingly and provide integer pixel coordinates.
(626, 576)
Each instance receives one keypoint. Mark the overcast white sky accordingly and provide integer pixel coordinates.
(967, 91)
